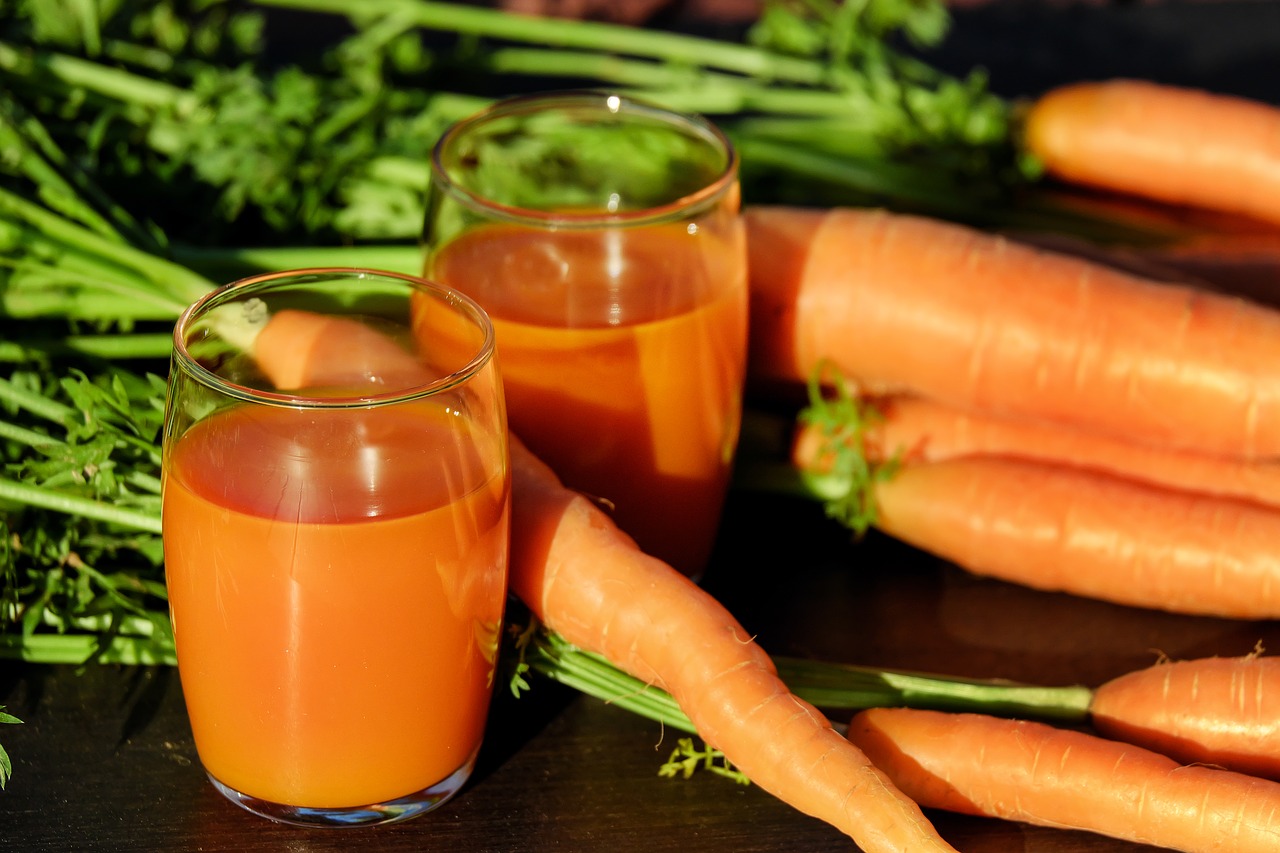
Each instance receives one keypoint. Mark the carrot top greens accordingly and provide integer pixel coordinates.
(204, 117)
(846, 486)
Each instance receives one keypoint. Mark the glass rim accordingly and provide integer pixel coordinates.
(187, 363)
(605, 101)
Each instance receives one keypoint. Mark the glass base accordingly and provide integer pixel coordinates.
(399, 809)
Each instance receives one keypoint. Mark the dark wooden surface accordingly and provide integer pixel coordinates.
(105, 760)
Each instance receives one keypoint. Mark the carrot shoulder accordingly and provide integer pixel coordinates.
(1168, 143)
(918, 429)
(1036, 773)
(587, 580)
(902, 302)
(1221, 711)
(1089, 534)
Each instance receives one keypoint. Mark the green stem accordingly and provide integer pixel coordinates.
(698, 90)
(48, 167)
(81, 648)
(36, 496)
(563, 32)
(35, 403)
(240, 261)
(846, 687)
(829, 686)
(29, 437)
(399, 171)
(591, 674)
(179, 283)
(105, 80)
(114, 347)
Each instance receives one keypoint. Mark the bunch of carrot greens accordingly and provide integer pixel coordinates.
(209, 122)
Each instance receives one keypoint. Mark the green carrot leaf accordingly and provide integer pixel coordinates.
(847, 485)
(687, 759)
(6, 765)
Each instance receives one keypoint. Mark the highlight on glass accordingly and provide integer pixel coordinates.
(336, 504)
(604, 237)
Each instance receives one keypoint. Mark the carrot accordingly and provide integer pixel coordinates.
(587, 580)
(1090, 534)
(1039, 774)
(905, 303)
(301, 349)
(918, 429)
(1168, 143)
(1222, 711)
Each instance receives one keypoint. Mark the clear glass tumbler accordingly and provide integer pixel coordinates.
(336, 504)
(604, 237)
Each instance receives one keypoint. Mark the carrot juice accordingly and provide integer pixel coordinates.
(622, 357)
(336, 580)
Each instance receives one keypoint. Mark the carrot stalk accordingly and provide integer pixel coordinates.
(833, 687)
(904, 303)
(1039, 774)
(1167, 143)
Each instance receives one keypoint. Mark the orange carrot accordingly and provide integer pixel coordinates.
(586, 580)
(917, 429)
(1168, 143)
(1089, 534)
(1221, 711)
(906, 303)
(1036, 773)
(300, 349)
(296, 343)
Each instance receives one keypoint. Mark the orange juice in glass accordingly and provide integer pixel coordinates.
(604, 238)
(335, 541)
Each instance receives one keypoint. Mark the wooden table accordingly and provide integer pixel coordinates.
(105, 759)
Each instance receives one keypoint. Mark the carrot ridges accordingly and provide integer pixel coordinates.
(1220, 711)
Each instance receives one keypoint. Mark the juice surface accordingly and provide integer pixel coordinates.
(336, 584)
(622, 355)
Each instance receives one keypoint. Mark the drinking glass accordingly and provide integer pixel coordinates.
(603, 235)
(336, 503)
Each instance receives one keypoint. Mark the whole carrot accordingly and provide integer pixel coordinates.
(587, 580)
(1168, 143)
(907, 303)
(1085, 533)
(919, 429)
(1039, 774)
